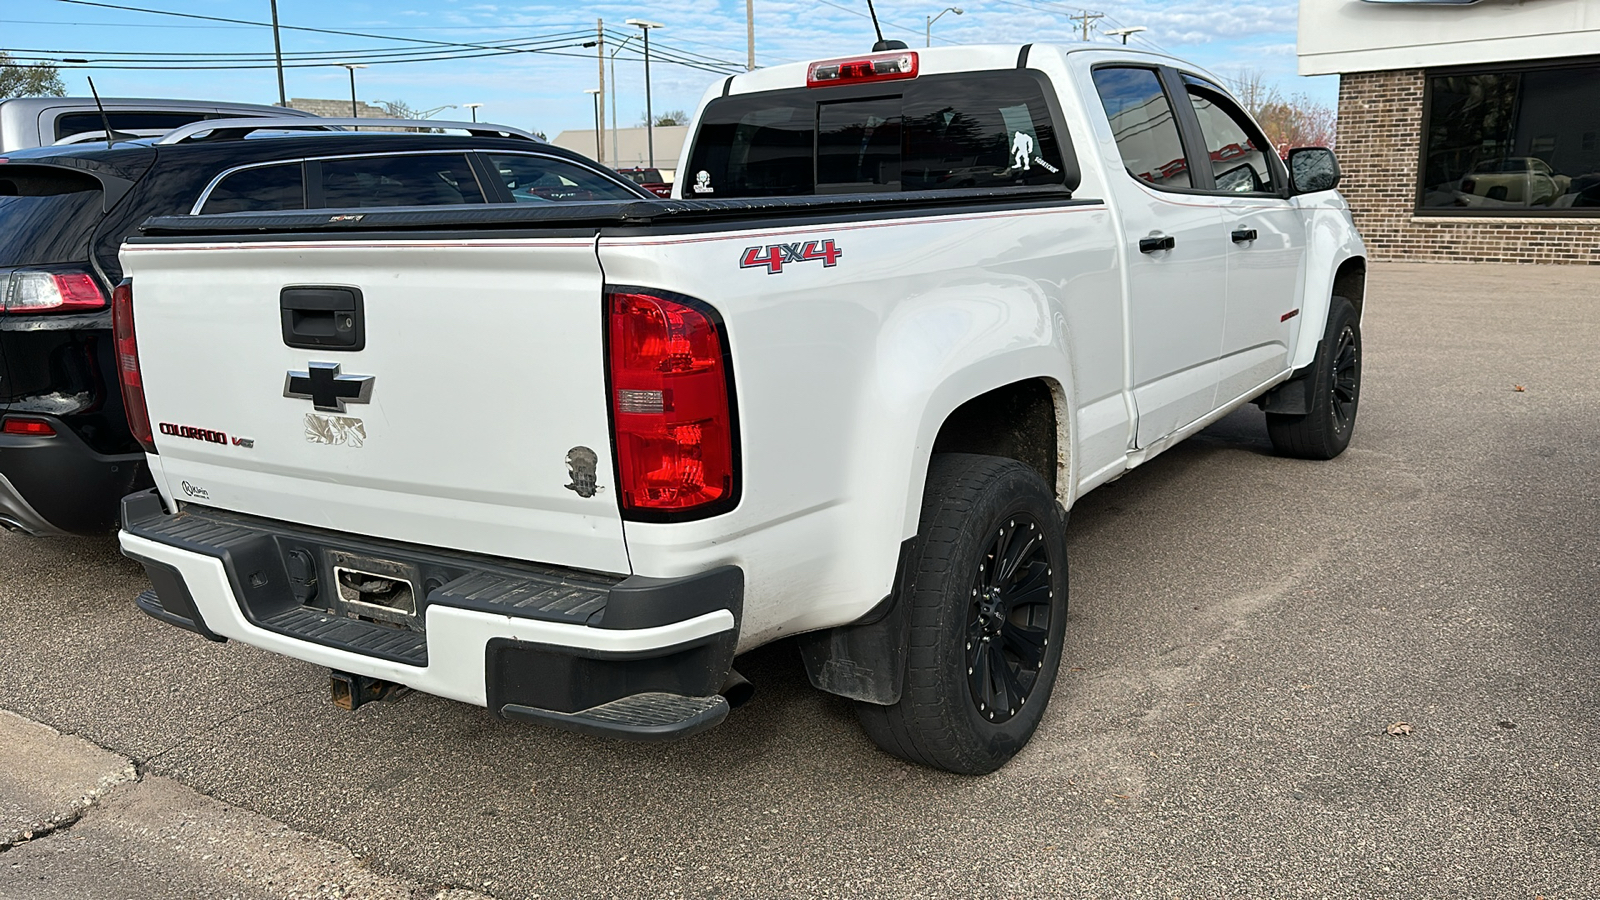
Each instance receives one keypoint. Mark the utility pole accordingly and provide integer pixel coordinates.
(277, 51)
(1086, 18)
(600, 99)
(750, 33)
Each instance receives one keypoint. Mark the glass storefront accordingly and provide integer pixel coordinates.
(1513, 142)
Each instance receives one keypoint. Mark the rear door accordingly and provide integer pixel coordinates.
(467, 409)
(1175, 255)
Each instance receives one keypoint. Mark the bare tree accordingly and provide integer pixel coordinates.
(670, 117)
(18, 80)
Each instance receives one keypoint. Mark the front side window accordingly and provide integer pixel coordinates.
(1513, 142)
(1143, 124)
(1239, 162)
(443, 179)
(540, 179)
(261, 188)
(987, 129)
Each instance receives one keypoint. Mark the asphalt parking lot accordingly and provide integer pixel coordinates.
(1242, 630)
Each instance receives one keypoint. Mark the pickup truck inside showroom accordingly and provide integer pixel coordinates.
(567, 460)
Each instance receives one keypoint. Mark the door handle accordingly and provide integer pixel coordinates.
(1157, 244)
(1244, 235)
(322, 317)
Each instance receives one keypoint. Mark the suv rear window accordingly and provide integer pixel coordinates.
(47, 215)
(78, 123)
(968, 130)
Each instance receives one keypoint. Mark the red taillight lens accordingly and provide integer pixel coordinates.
(856, 70)
(29, 292)
(33, 427)
(671, 405)
(127, 350)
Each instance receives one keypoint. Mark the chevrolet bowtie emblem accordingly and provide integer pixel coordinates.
(326, 388)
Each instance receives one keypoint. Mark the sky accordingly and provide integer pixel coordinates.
(544, 91)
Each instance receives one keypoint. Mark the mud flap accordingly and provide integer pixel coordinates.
(865, 660)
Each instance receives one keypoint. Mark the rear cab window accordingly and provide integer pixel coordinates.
(936, 132)
(69, 124)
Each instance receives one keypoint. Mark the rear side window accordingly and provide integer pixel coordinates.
(420, 180)
(1143, 124)
(540, 179)
(78, 123)
(260, 188)
(985, 129)
(47, 215)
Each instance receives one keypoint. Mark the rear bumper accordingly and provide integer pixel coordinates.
(528, 642)
(58, 485)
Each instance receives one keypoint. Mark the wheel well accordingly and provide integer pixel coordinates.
(1017, 421)
(1350, 282)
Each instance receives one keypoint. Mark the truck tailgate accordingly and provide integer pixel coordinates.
(483, 426)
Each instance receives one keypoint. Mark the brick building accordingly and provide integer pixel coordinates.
(1468, 131)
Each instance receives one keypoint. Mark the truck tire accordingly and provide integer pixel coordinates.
(1335, 395)
(987, 589)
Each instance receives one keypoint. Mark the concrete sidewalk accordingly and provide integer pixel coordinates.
(80, 823)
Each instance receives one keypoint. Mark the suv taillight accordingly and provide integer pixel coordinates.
(671, 405)
(24, 291)
(127, 349)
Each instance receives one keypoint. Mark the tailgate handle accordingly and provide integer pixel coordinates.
(317, 317)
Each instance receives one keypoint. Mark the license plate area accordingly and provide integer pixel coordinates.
(373, 589)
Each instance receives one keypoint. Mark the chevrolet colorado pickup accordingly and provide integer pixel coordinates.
(567, 461)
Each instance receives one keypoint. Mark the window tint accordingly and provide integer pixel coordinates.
(263, 188)
(1513, 140)
(858, 146)
(78, 123)
(972, 130)
(540, 179)
(1238, 159)
(1143, 124)
(992, 130)
(420, 180)
(46, 214)
(755, 146)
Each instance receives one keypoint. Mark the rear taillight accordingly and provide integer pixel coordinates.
(860, 69)
(127, 350)
(27, 426)
(671, 405)
(30, 292)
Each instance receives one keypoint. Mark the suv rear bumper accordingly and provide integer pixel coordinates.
(529, 642)
(57, 484)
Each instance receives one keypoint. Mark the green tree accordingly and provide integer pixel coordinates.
(18, 80)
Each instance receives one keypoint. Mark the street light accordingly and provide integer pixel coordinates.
(616, 157)
(596, 92)
(649, 116)
(431, 112)
(955, 9)
(277, 52)
(474, 108)
(1124, 32)
(354, 113)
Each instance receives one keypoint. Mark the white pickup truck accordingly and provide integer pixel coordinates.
(566, 460)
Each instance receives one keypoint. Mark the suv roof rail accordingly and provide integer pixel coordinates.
(234, 129)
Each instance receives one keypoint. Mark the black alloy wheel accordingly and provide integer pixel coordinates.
(1008, 627)
(985, 590)
(1346, 381)
(1334, 392)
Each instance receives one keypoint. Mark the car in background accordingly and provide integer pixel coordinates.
(1513, 181)
(650, 179)
(45, 121)
(66, 454)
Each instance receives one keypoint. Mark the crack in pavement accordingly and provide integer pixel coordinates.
(209, 729)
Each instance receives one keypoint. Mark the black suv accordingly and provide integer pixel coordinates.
(66, 456)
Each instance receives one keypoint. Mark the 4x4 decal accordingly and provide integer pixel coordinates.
(774, 256)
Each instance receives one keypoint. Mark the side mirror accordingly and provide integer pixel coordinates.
(1313, 169)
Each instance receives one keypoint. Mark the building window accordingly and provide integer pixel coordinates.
(1513, 142)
